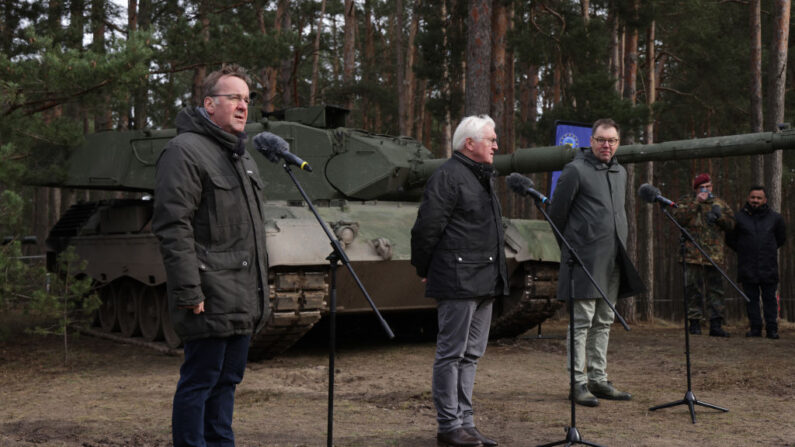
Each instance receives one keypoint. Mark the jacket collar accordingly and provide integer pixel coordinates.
(483, 171)
(751, 211)
(587, 154)
(197, 120)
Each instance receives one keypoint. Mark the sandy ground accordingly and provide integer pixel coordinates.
(110, 394)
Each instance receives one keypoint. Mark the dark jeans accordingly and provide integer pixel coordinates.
(769, 305)
(205, 397)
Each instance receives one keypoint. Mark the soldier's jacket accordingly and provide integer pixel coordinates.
(692, 214)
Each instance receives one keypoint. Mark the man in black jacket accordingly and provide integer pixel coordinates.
(757, 235)
(208, 218)
(457, 248)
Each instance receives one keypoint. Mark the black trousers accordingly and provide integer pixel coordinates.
(769, 304)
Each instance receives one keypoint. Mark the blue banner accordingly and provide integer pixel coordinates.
(569, 133)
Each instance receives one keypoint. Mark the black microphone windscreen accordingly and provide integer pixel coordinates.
(518, 183)
(648, 192)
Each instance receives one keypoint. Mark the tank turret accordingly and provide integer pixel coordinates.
(365, 186)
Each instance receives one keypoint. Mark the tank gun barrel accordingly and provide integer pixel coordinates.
(553, 158)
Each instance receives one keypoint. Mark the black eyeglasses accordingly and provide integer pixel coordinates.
(234, 97)
(611, 141)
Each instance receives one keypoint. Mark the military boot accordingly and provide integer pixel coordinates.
(715, 329)
(695, 327)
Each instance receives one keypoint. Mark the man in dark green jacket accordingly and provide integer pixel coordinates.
(208, 218)
(588, 208)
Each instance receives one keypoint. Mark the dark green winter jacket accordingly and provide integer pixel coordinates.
(208, 218)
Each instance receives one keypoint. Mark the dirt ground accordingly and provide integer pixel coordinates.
(111, 394)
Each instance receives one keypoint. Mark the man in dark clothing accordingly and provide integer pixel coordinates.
(758, 234)
(208, 218)
(588, 208)
(707, 218)
(457, 248)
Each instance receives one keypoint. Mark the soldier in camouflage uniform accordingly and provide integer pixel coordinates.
(707, 218)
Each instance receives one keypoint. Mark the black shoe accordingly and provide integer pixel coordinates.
(457, 438)
(584, 397)
(606, 390)
(695, 327)
(487, 442)
(754, 333)
(715, 330)
(718, 332)
(773, 335)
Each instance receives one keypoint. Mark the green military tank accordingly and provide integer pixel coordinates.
(367, 187)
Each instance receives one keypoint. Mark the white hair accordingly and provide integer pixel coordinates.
(470, 127)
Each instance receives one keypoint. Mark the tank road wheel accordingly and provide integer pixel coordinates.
(149, 314)
(108, 320)
(127, 297)
(169, 334)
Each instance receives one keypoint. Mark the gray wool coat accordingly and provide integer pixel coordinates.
(588, 208)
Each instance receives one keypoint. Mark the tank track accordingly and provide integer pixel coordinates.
(532, 300)
(298, 300)
(297, 297)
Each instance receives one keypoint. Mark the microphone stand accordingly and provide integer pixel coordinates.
(572, 435)
(690, 398)
(337, 255)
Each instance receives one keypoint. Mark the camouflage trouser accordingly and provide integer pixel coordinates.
(701, 281)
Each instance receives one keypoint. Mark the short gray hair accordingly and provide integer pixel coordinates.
(470, 127)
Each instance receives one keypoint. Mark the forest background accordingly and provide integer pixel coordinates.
(664, 69)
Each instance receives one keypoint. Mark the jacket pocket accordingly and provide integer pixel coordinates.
(476, 273)
(227, 198)
(225, 281)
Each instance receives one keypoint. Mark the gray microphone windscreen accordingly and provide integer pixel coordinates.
(270, 145)
(519, 183)
(648, 193)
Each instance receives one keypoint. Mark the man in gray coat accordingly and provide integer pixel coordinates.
(208, 218)
(588, 208)
(457, 245)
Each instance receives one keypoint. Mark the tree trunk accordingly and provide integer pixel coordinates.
(316, 54)
(349, 50)
(446, 125)
(478, 58)
(369, 68)
(776, 95)
(647, 176)
(201, 71)
(141, 98)
(757, 161)
(284, 22)
(102, 115)
(627, 306)
(615, 46)
(585, 6)
(409, 79)
(400, 68)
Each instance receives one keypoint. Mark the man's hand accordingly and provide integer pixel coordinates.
(714, 214)
(197, 309)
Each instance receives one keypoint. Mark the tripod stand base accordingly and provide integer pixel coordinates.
(691, 401)
(572, 437)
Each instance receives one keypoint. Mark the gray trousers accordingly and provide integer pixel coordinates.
(592, 320)
(461, 341)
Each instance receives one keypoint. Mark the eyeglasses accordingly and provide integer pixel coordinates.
(491, 141)
(235, 98)
(611, 141)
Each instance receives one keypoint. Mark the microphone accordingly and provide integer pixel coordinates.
(651, 194)
(524, 186)
(273, 147)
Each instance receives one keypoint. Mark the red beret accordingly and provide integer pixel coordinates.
(701, 179)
